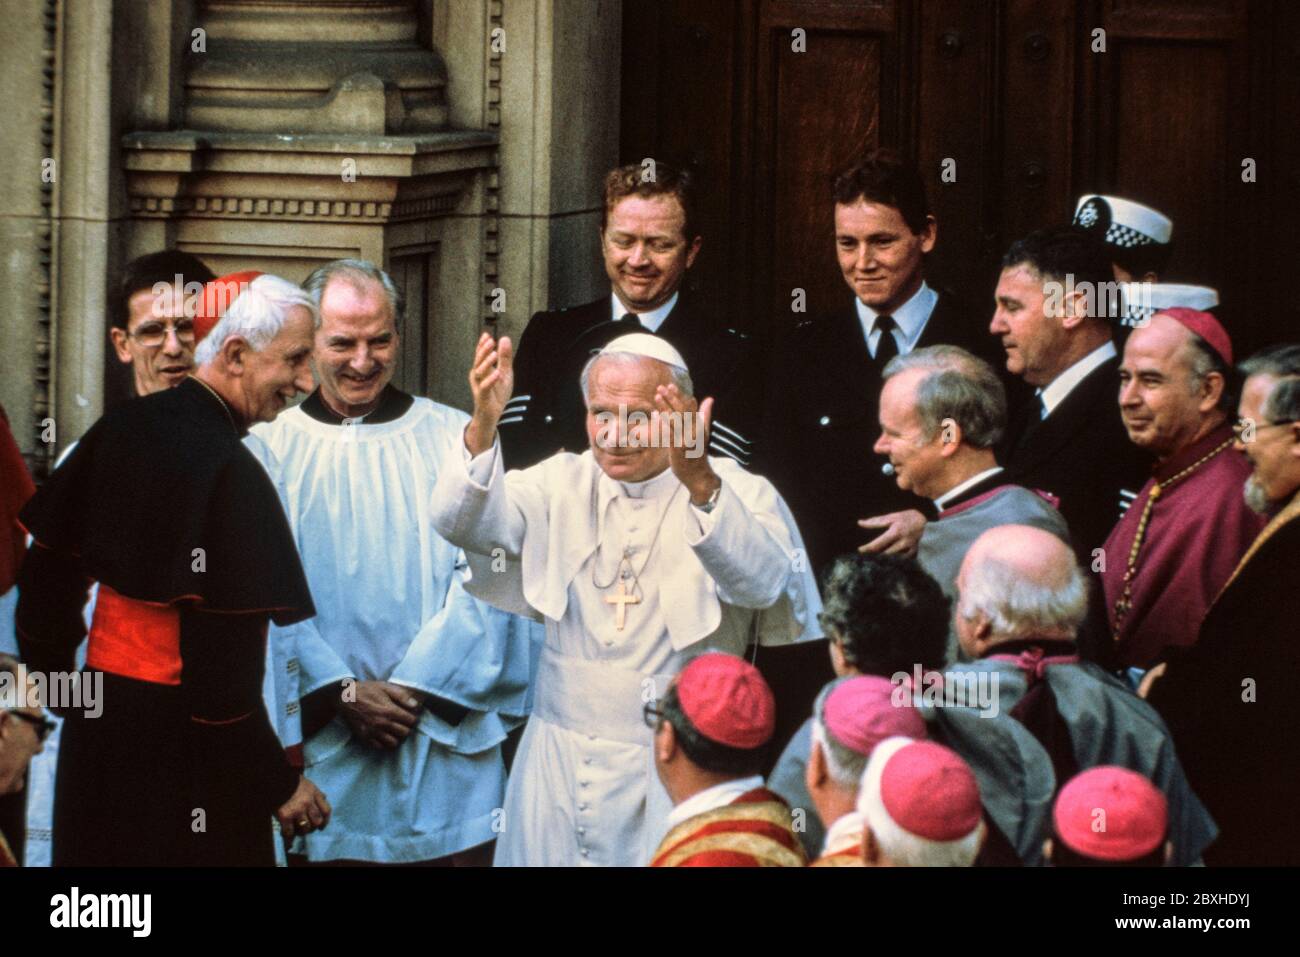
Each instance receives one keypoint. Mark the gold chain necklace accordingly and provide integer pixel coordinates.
(1125, 601)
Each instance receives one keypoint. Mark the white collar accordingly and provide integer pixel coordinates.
(845, 833)
(911, 317)
(960, 487)
(657, 486)
(720, 795)
(652, 320)
(1060, 387)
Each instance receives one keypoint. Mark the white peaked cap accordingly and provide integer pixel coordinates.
(1126, 223)
(644, 344)
(1142, 300)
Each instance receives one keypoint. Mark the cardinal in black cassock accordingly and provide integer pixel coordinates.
(164, 507)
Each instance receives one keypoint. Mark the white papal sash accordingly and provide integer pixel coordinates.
(596, 698)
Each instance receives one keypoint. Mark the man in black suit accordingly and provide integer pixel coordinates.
(822, 413)
(650, 239)
(1054, 316)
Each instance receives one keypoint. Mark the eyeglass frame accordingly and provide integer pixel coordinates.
(1238, 427)
(186, 337)
(651, 715)
(43, 725)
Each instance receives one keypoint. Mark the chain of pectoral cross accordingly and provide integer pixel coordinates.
(625, 570)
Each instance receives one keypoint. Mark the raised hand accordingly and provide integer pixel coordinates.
(491, 382)
(690, 460)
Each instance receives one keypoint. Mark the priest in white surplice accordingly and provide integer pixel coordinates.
(408, 684)
(638, 554)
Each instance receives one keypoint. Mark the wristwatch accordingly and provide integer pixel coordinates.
(712, 503)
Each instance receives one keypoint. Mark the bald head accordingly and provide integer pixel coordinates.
(1036, 556)
(1018, 582)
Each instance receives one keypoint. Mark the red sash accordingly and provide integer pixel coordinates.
(135, 639)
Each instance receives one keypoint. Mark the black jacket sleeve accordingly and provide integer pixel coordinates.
(52, 591)
(240, 760)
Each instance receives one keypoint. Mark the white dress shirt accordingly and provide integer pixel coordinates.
(910, 319)
(652, 319)
(1060, 387)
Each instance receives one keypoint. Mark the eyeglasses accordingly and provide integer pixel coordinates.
(651, 715)
(153, 334)
(1240, 428)
(43, 725)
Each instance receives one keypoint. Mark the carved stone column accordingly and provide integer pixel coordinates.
(317, 129)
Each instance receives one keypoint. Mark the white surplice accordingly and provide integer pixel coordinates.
(583, 790)
(391, 605)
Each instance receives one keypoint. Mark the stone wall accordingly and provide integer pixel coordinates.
(460, 142)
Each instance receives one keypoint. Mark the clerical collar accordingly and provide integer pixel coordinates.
(845, 833)
(662, 484)
(1201, 447)
(911, 317)
(1056, 391)
(949, 497)
(720, 795)
(393, 404)
(651, 319)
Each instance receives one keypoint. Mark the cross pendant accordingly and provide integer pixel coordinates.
(622, 599)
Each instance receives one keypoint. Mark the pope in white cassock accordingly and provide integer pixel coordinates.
(408, 684)
(638, 554)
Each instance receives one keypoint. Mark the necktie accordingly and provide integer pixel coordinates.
(632, 319)
(886, 345)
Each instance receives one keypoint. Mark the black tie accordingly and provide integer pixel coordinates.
(886, 345)
(632, 319)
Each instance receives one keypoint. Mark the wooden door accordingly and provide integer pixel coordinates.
(766, 99)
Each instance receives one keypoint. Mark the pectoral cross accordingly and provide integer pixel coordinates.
(622, 599)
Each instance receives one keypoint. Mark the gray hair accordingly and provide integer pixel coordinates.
(1017, 607)
(1282, 363)
(844, 765)
(902, 847)
(961, 387)
(357, 272)
(257, 315)
(680, 377)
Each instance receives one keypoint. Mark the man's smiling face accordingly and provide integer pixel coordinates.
(356, 345)
(879, 254)
(646, 250)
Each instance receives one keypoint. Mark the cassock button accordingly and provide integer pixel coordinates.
(586, 760)
(824, 420)
(583, 784)
(548, 418)
(591, 737)
(582, 830)
(584, 852)
(582, 807)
